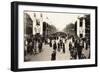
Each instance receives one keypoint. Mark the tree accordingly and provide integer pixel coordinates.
(70, 28)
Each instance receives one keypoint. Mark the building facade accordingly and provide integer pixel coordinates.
(82, 27)
(28, 25)
(38, 24)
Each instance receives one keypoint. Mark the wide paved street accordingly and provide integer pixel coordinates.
(45, 55)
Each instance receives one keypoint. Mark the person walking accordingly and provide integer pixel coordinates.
(71, 49)
(54, 46)
(79, 48)
(35, 47)
(58, 46)
(53, 56)
(50, 43)
(40, 46)
(63, 48)
(74, 53)
(30, 48)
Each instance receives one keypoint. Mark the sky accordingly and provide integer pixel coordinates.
(59, 20)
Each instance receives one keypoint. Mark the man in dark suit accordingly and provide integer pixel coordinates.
(63, 48)
(79, 48)
(54, 46)
(53, 55)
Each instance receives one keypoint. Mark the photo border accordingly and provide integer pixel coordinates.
(14, 35)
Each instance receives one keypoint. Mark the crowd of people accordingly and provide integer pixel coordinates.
(78, 48)
(33, 45)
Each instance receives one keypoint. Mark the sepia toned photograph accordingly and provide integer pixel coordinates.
(56, 36)
(52, 36)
